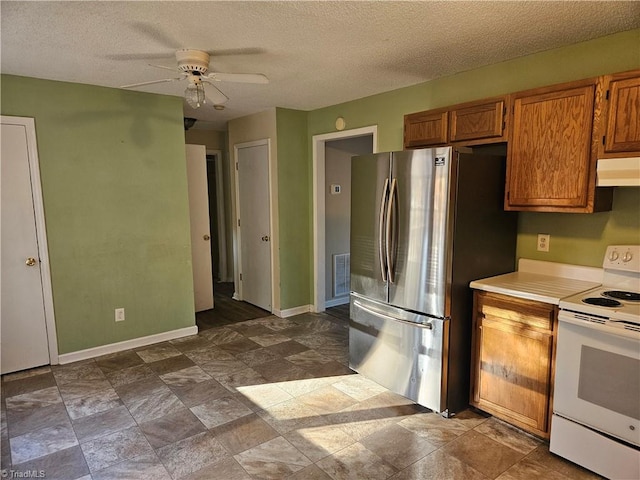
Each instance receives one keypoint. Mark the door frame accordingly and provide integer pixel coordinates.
(238, 295)
(319, 246)
(41, 230)
(222, 238)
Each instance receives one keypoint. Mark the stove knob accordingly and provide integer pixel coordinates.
(627, 257)
(613, 256)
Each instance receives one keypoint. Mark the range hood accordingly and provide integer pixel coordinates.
(618, 172)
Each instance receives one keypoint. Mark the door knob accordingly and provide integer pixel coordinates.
(206, 237)
(30, 262)
(265, 238)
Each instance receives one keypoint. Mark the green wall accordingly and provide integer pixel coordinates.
(582, 239)
(575, 238)
(614, 53)
(294, 205)
(114, 185)
(115, 191)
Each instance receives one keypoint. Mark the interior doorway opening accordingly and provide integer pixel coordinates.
(217, 218)
(332, 154)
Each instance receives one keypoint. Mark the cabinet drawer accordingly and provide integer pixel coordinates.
(517, 310)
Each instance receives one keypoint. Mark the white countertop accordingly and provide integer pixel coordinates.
(542, 281)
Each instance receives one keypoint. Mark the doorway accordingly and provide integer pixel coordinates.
(331, 152)
(28, 324)
(217, 219)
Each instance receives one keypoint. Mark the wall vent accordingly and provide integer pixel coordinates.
(341, 272)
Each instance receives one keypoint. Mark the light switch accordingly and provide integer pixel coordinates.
(335, 189)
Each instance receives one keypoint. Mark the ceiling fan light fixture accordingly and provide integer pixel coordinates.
(193, 66)
(194, 95)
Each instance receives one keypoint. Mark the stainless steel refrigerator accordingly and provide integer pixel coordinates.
(424, 223)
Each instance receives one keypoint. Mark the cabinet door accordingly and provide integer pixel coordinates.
(478, 121)
(622, 134)
(424, 129)
(513, 360)
(514, 370)
(549, 161)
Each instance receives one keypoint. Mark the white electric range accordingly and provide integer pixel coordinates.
(596, 405)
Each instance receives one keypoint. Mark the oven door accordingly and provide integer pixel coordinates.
(597, 380)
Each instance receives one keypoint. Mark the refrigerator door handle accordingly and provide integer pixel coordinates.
(428, 326)
(381, 225)
(392, 230)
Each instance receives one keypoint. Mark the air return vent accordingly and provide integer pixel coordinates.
(341, 269)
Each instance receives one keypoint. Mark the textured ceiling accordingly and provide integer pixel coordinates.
(315, 53)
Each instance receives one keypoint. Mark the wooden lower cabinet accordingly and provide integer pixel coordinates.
(513, 360)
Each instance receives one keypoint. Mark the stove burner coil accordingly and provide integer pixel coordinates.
(602, 302)
(622, 295)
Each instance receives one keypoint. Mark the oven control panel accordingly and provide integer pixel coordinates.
(622, 257)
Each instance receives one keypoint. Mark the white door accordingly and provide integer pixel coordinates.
(200, 233)
(23, 331)
(255, 224)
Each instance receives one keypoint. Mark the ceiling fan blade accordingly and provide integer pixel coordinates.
(214, 94)
(238, 77)
(171, 54)
(236, 51)
(164, 67)
(152, 82)
(139, 56)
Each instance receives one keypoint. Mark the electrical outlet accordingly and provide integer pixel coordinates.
(119, 314)
(543, 242)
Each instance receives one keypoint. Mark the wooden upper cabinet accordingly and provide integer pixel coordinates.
(484, 120)
(551, 159)
(470, 123)
(621, 116)
(425, 129)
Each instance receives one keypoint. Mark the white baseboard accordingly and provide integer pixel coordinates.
(334, 302)
(290, 312)
(126, 345)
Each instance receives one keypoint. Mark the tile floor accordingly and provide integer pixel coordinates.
(265, 398)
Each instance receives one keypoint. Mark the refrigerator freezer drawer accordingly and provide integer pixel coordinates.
(400, 350)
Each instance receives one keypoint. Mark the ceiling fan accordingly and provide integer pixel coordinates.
(193, 66)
